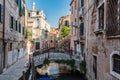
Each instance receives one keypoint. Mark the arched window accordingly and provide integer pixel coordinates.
(115, 64)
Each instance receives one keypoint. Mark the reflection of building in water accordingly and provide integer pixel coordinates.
(51, 69)
(54, 68)
(43, 70)
(63, 68)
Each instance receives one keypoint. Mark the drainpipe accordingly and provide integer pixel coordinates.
(3, 34)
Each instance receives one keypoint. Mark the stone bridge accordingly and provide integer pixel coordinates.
(38, 59)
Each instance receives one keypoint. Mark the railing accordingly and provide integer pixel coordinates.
(26, 74)
(52, 54)
(56, 53)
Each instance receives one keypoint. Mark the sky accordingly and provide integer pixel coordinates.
(53, 9)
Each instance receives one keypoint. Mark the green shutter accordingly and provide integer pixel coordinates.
(16, 25)
(19, 27)
(1, 13)
(11, 22)
(20, 8)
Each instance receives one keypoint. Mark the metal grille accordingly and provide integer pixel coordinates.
(113, 21)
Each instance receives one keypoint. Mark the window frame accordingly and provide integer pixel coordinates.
(115, 74)
(82, 3)
(82, 29)
(99, 17)
(11, 46)
(1, 13)
(95, 66)
(97, 25)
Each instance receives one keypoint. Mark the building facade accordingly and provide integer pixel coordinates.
(74, 25)
(102, 39)
(99, 36)
(39, 27)
(13, 18)
(54, 34)
(64, 21)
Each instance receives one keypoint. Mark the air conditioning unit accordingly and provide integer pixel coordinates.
(81, 13)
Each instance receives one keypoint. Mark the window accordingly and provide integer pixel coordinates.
(11, 22)
(37, 45)
(37, 12)
(1, 13)
(19, 27)
(95, 67)
(72, 10)
(115, 64)
(29, 14)
(101, 17)
(23, 30)
(75, 5)
(81, 29)
(82, 3)
(75, 21)
(66, 23)
(16, 25)
(10, 47)
(113, 18)
(82, 49)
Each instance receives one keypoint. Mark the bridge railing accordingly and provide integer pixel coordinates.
(73, 54)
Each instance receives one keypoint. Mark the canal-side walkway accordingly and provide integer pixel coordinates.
(15, 71)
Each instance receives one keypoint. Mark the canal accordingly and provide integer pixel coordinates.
(58, 72)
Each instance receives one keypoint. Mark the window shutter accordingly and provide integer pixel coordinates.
(23, 30)
(82, 29)
(19, 27)
(1, 13)
(82, 3)
(14, 22)
(16, 25)
(11, 22)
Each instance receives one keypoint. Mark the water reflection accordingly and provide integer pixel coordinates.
(54, 69)
(58, 72)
